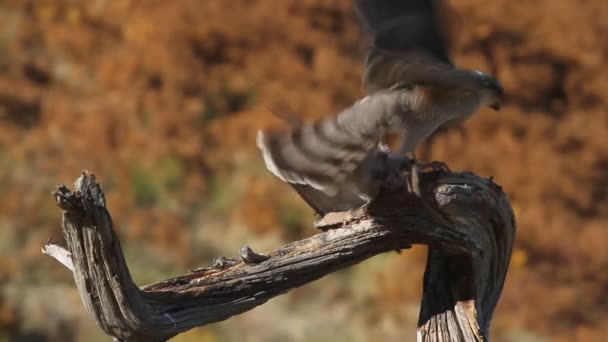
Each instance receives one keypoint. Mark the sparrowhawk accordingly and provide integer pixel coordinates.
(411, 87)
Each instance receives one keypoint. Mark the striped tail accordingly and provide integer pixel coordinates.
(322, 154)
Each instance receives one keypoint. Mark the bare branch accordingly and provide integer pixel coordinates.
(466, 221)
(58, 253)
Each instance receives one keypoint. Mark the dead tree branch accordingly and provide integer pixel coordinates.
(465, 220)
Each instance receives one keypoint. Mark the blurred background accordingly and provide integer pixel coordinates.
(162, 100)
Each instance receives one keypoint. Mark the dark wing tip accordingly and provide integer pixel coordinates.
(407, 25)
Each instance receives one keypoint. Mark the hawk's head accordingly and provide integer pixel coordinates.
(491, 90)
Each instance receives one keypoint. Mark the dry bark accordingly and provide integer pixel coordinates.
(466, 221)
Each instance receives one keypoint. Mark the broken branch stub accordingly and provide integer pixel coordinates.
(465, 220)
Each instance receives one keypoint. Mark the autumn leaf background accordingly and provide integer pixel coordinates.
(162, 100)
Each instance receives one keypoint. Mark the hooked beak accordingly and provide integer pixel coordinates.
(494, 94)
(496, 105)
(499, 95)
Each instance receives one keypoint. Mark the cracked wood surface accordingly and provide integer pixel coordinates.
(466, 221)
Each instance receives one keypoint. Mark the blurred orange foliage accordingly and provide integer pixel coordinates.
(162, 99)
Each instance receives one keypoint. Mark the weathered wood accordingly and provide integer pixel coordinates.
(465, 220)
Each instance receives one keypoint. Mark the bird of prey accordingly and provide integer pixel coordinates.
(412, 88)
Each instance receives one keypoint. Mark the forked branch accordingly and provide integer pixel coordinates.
(465, 220)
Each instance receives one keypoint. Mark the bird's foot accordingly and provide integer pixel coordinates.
(413, 180)
(436, 166)
(406, 170)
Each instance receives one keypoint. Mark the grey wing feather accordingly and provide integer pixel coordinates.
(345, 199)
(378, 167)
(325, 154)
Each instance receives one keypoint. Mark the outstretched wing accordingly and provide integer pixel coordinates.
(407, 35)
(325, 154)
